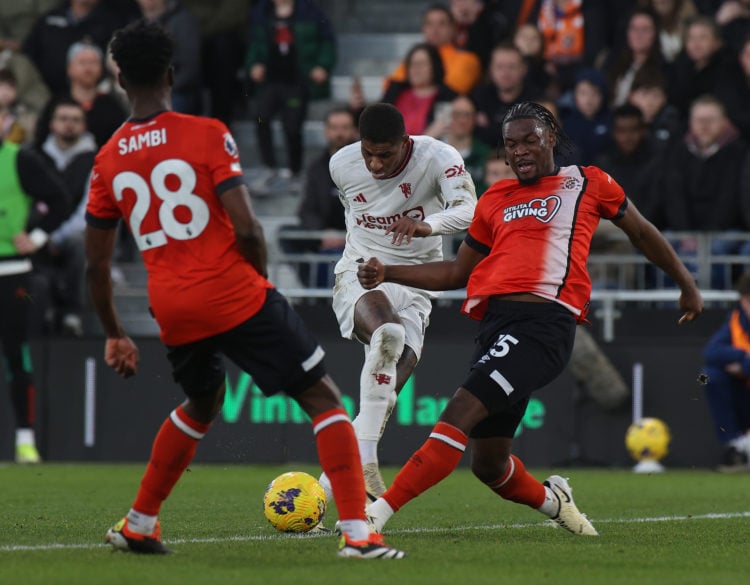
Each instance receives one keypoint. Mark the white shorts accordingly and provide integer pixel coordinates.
(413, 307)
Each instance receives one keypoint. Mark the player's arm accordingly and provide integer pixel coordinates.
(654, 246)
(120, 353)
(444, 275)
(247, 229)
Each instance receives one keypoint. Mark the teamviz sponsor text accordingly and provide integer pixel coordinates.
(375, 222)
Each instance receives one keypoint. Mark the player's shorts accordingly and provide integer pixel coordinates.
(521, 347)
(412, 306)
(274, 346)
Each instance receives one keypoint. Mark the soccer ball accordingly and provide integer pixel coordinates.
(648, 439)
(294, 502)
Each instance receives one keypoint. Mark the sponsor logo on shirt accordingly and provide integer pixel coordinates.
(360, 198)
(405, 189)
(454, 171)
(229, 145)
(376, 222)
(540, 209)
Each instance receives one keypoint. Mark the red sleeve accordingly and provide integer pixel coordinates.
(101, 203)
(224, 162)
(612, 200)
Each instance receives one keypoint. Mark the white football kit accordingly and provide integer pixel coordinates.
(432, 185)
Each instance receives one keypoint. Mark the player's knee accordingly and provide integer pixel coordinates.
(488, 470)
(388, 340)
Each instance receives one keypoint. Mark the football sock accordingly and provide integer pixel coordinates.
(171, 453)
(430, 464)
(25, 437)
(377, 385)
(339, 458)
(23, 397)
(141, 523)
(518, 485)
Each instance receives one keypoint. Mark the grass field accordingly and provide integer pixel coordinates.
(680, 527)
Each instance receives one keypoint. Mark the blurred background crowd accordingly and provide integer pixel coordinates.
(656, 92)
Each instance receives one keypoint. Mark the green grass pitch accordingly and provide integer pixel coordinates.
(680, 527)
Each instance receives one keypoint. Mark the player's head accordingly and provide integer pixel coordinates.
(531, 135)
(384, 140)
(143, 53)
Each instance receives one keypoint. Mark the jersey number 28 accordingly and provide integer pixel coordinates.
(170, 199)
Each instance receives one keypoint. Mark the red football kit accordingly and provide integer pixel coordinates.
(165, 176)
(537, 237)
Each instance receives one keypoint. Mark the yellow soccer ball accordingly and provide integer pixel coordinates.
(294, 502)
(648, 439)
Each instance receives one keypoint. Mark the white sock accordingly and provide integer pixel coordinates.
(551, 505)
(368, 451)
(355, 529)
(141, 523)
(25, 437)
(380, 511)
(377, 382)
(327, 487)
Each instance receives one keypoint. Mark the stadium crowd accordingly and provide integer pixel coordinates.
(653, 91)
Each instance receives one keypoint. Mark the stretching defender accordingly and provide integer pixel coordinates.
(177, 180)
(397, 191)
(524, 260)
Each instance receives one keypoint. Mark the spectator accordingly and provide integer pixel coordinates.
(640, 56)
(183, 26)
(631, 159)
(701, 182)
(459, 133)
(507, 85)
(733, 16)
(529, 40)
(672, 17)
(704, 61)
(222, 27)
(423, 94)
(69, 152)
(104, 114)
(734, 93)
(14, 131)
(663, 120)
(477, 28)
(17, 18)
(561, 23)
(34, 204)
(588, 121)
(291, 53)
(463, 69)
(54, 32)
(496, 168)
(727, 373)
(320, 208)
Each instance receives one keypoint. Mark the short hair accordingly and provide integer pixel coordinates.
(76, 48)
(628, 110)
(436, 7)
(708, 99)
(649, 80)
(381, 123)
(535, 111)
(67, 102)
(143, 52)
(339, 110)
(436, 62)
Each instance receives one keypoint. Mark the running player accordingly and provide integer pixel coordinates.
(399, 192)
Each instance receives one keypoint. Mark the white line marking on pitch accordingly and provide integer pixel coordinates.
(712, 516)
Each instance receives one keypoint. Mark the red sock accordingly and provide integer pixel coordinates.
(518, 485)
(433, 462)
(339, 458)
(171, 453)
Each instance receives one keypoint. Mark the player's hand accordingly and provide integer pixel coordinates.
(408, 228)
(24, 244)
(691, 305)
(371, 273)
(121, 354)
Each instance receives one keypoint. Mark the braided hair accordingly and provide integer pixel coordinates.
(535, 111)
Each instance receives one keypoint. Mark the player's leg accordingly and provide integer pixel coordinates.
(199, 369)
(728, 402)
(434, 460)
(14, 321)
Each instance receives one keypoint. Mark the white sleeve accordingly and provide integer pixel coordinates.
(458, 191)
